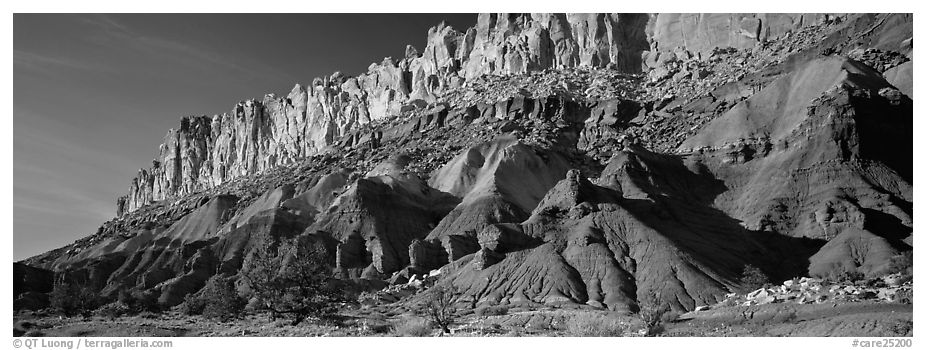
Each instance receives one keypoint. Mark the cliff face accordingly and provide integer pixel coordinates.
(792, 156)
(701, 32)
(260, 134)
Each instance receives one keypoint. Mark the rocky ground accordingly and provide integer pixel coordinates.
(825, 319)
(800, 307)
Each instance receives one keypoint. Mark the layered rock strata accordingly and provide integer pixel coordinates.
(260, 134)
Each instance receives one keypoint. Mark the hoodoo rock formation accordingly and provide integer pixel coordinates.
(600, 159)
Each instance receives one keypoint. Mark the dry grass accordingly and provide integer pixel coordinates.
(484, 311)
(413, 327)
(595, 325)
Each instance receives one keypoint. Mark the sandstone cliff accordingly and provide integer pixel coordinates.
(791, 154)
(258, 135)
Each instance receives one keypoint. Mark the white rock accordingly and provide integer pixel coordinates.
(768, 299)
(758, 294)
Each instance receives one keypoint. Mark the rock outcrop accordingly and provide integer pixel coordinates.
(822, 122)
(258, 135)
(380, 215)
(500, 181)
(701, 32)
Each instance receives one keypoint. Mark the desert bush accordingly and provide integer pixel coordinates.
(113, 310)
(903, 296)
(902, 328)
(220, 299)
(370, 327)
(874, 283)
(652, 313)
(413, 327)
(902, 263)
(843, 276)
(294, 280)
(594, 325)
(72, 298)
(439, 308)
(789, 317)
(491, 328)
(484, 311)
(728, 302)
(138, 302)
(192, 305)
(753, 278)
(670, 316)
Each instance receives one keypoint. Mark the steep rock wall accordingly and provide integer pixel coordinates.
(260, 134)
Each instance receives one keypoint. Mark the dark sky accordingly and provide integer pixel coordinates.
(94, 94)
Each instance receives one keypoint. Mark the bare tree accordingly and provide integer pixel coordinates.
(652, 314)
(440, 308)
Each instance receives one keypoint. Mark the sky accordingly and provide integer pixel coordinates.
(94, 94)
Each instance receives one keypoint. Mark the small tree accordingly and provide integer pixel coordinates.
(440, 309)
(753, 278)
(220, 299)
(293, 280)
(652, 312)
(72, 298)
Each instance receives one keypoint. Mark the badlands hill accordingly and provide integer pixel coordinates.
(599, 159)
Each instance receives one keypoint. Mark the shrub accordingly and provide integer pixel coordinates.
(843, 276)
(538, 325)
(670, 316)
(753, 278)
(368, 327)
(220, 299)
(138, 302)
(652, 314)
(192, 305)
(904, 296)
(729, 302)
(71, 298)
(413, 327)
(440, 309)
(293, 280)
(594, 325)
(484, 311)
(902, 263)
(789, 317)
(902, 328)
(113, 310)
